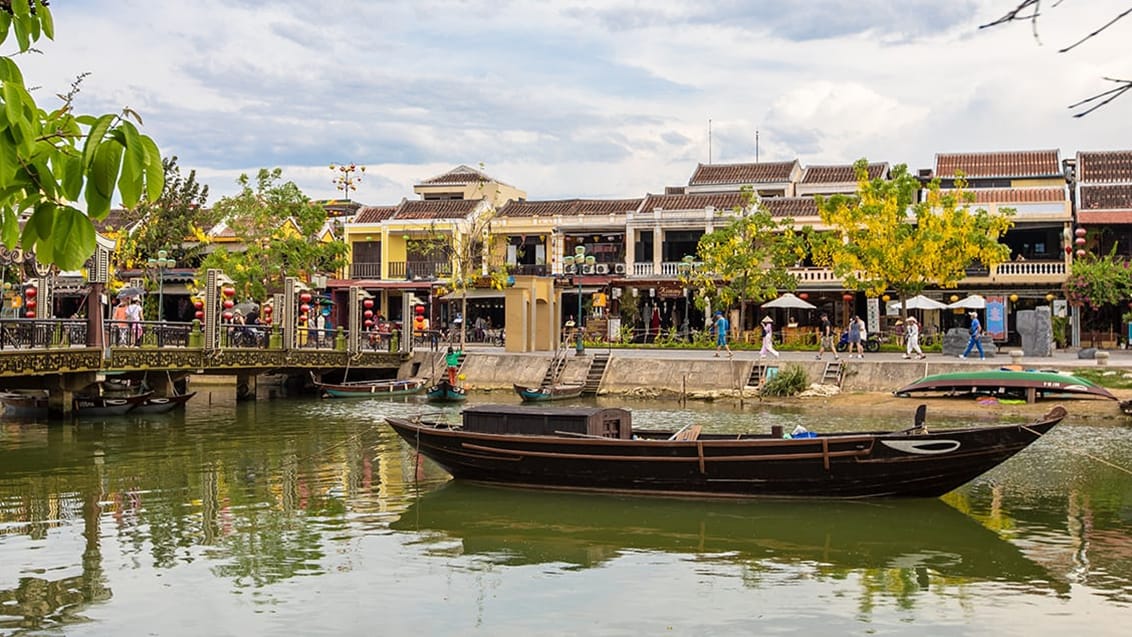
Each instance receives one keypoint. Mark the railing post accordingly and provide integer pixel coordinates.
(339, 339)
(196, 336)
(274, 337)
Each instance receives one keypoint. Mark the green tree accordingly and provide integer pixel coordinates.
(1098, 281)
(49, 159)
(177, 221)
(279, 228)
(752, 255)
(883, 239)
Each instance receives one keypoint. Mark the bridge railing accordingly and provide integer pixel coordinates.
(42, 333)
(148, 333)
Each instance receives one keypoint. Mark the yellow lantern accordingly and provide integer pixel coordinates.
(1013, 298)
(954, 298)
(886, 298)
(1049, 297)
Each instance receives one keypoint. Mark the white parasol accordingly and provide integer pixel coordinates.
(919, 302)
(973, 302)
(789, 301)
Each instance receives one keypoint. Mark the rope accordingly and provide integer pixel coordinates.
(1087, 454)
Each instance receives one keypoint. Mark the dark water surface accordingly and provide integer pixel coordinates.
(309, 517)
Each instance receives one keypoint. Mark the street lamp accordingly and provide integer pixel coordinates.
(685, 267)
(345, 180)
(579, 259)
(162, 263)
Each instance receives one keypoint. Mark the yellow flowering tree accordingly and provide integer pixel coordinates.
(883, 239)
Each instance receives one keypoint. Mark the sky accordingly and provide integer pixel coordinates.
(595, 99)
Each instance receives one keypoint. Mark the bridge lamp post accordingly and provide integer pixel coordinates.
(578, 259)
(685, 266)
(161, 264)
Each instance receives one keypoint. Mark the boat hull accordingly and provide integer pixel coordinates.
(162, 404)
(547, 393)
(1006, 382)
(445, 392)
(725, 466)
(97, 406)
(377, 389)
(21, 405)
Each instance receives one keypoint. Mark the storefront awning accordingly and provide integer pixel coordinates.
(474, 294)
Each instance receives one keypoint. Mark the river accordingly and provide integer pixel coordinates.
(301, 516)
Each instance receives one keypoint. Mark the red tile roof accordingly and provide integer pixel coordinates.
(458, 175)
(1019, 195)
(1117, 197)
(374, 214)
(436, 208)
(1025, 163)
(569, 207)
(791, 206)
(1104, 167)
(742, 174)
(672, 203)
(841, 174)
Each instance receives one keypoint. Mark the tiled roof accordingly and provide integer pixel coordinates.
(1106, 197)
(569, 207)
(791, 206)
(1019, 195)
(458, 175)
(436, 208)
(1025, 163)
(840, 174)
(742, 174)
(374, 214)
(719, 200)
(1104, 167)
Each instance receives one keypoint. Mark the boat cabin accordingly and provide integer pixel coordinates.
(549, 421)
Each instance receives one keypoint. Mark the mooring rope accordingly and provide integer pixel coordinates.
(1085, 454)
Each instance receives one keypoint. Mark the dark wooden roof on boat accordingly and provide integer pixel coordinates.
(608, 422)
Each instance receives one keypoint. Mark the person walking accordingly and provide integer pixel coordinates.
(768, 338)
(912, 338)
(722, 326)
(976, 331)
(855, 337)
(825, 333)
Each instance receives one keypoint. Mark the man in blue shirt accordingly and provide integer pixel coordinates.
(976, 331)
(722, 326)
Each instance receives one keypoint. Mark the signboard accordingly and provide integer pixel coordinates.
(872, 306)
(996, 318)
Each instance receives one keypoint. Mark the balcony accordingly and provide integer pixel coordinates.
(365, 270)
(529, 270)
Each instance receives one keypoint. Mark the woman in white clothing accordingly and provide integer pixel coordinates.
(912, 333)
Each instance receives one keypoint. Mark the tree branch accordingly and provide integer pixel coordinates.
(1123, 86)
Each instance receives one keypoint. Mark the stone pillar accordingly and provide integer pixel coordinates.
(245, 386)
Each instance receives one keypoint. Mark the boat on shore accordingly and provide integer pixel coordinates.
(548, 392)
(1027, 385)
(445, 392)
(369, 388)
(594, 449)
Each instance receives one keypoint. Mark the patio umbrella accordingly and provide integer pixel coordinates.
(919, 302)
(130, 290)
(246, 306)
(789, 301)
(973, 302)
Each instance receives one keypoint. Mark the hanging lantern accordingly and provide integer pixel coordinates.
(367, 304)
(419, 309)
(368, 314)
(30, 304)
(1081, 254)
(228, 304)
(229, 292)
(267, 320)
(30, 314)
(31, 292)
(268, 309)
(369, 323)
(304, 308)
(1013, 298)
(1080, 232)
(305, 297)
(804, 295)
(886, 298)
(1080, 241)
(200, 315)
(227, 316)
(847, 297)
(954, 298)
(198, 304)
(1049, 297)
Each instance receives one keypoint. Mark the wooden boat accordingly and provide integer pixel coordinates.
(1126, 407)
(1027, 384)
(597, 449)
(548, 392)
(162, 404)
(29, 404)
(95, 405)
(445, 392)
(370, 388)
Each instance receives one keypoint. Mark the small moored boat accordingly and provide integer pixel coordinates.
(24, 404)
(370, 388)
(162, 404)
(548, 392)
(94, 405)
(445, 392)
(1023, 384)
(598, 450)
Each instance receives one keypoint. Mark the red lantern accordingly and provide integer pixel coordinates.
(31, 292)
(30, 304)
(1079, 241)
(368, 314)
(198, 304)
(229, 292)
(419, 310)
(847, 297)
(304, 308)
(368, 304)
(200, 315)
(369, 323)
(30, 314)
(804, 296)
(227, 316)
(305, 297)
(267, 319)
(1081, 253)
(1080, 232)
(267, 310)
(228, 304)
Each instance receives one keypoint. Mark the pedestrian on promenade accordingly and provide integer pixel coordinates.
(721, 327)
(976, 331)
(825, 332)
(768, 338)
(855, 338)
(912, 334)
(134, 318)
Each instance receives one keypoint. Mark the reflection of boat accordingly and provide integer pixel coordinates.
(548, 392)
(1009, 382)
(27, 404)
(513, 526)
(162, 404)
(370, 388)
(445, 392)
(596, 449)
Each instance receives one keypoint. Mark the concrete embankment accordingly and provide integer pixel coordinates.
(697, 374)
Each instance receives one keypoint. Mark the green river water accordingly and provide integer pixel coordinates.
(299, 516)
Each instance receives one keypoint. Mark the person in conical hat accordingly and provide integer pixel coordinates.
(912, 333)
(768, 338)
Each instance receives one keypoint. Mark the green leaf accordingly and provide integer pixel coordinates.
(133, 166)
(37, 230)
(21, 8)
(10, 231)
(104, 170)
(94, 138)
(14, 102)
(154, 171)
(45, 19)
(74, 240)
(5, 25)
(9, 71)
(70, 172)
